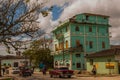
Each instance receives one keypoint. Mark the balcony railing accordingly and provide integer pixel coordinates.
(71, 49)
(74, 49)
(58, 36)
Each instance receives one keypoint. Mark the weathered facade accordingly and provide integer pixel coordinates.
(14, 61)
(80, 35)
(106, 61)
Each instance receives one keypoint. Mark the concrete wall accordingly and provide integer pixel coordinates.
(101, 65)
(11, 61)
(98, 35)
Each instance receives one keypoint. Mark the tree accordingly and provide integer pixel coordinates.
(39, 53)
(18, 19)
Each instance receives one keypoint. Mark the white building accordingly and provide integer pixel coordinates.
(14, 61)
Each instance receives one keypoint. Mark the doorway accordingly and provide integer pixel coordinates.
(119, 68)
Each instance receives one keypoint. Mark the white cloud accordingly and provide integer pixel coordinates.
(46, 23)
(106, 7)
(58, 2)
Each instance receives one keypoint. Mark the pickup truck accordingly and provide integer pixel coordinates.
(61, 72)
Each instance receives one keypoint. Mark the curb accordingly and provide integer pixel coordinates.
(96, 75)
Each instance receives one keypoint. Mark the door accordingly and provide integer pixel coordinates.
(119, 68)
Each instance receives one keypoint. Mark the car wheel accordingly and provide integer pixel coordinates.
(69, 76)
(29, 74)
(60, 76)
(51, 76)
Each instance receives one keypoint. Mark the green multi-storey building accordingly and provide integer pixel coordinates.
(81, 35)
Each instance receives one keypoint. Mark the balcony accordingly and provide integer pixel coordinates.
(74, 49)
(59, 36)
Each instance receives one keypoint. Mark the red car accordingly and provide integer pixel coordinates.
(24, 71)
(61, 72)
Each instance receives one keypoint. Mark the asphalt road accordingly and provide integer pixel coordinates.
(39, 76)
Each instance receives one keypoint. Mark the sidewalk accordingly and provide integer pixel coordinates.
(98, 75)
(6, 78)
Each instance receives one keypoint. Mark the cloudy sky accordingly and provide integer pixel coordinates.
(64, 9)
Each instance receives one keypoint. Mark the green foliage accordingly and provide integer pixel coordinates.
(39, 53)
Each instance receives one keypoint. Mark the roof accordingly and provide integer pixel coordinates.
(60, 25)
(88, 23)
(63, 23)
(104, 53)
(11, 57)
(96, 14)
(115, 46)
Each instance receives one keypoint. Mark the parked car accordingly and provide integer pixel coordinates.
(25, 71)
(12, 70)
(61, 72)
(15, 70)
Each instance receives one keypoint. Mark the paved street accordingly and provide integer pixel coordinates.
(39, 76)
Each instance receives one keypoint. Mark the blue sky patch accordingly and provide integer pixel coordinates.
(56, 12)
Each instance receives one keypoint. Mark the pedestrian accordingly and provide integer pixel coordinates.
(33, 68)
(94, 70)
(44, 70)
(3, 70)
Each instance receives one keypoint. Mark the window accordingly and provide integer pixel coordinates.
(4, 64)
(107, 31)
(55, 47)
(66, 44)
(83, 66)
(76, 28)
(77, 55)
(91, 44)
(77, 43)
(91, 61)
(62, 45)
(90, 29)
(59, 46)
(9, 65)
(15, 64)
(66, 28)
(105, 18)
(87, 17)
(78, 65)
(103, 44)
(56, 63)
(68, 64)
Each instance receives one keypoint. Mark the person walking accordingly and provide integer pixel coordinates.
(3, 70)
(44, 70)
(94, 70)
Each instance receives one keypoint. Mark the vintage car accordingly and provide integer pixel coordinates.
(15, 70)
(25, 71)
(61, 72)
